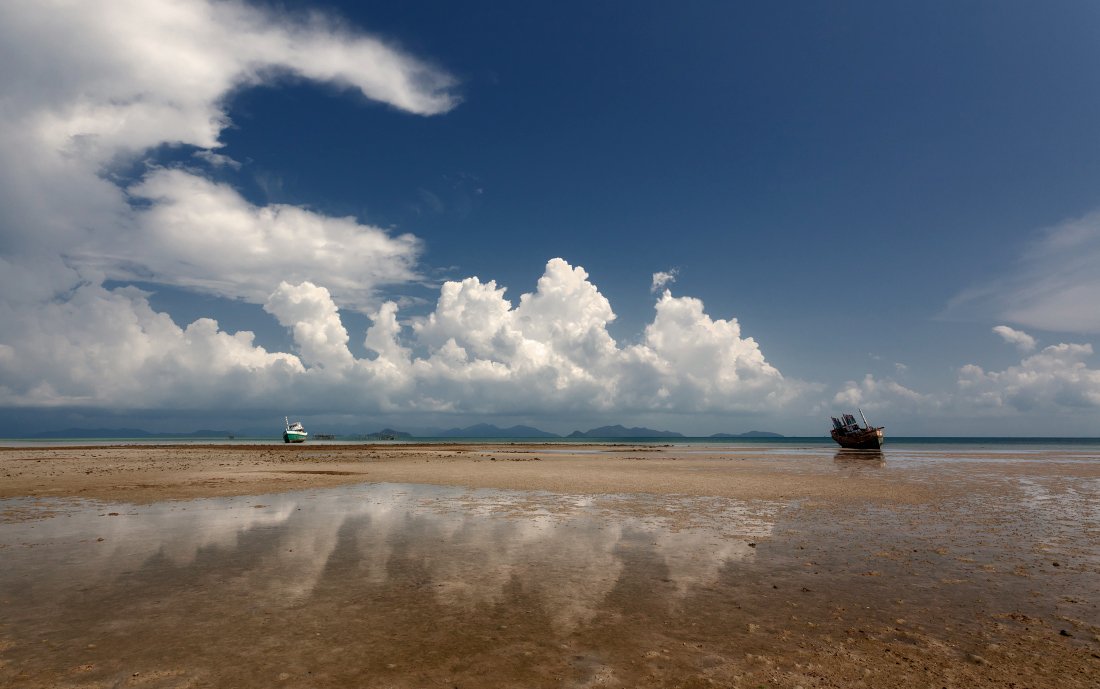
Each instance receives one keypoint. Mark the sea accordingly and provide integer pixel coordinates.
(964, 444)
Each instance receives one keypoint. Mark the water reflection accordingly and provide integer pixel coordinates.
(859, 458)
(462, 550)
(421, 586)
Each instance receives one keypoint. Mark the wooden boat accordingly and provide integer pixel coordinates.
(849, 434)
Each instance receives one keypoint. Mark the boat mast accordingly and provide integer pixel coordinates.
(865, 424)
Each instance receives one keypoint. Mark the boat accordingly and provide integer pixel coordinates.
(294, 432)
(849, 434)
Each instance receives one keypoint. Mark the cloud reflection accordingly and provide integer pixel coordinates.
(468, 549)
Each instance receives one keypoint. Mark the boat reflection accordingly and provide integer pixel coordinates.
(856, 459)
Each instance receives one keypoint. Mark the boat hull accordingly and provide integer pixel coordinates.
(870, 439)
(292, 437)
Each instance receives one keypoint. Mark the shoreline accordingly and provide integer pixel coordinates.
(145, 474)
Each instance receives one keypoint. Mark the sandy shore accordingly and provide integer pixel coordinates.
(143, 474)
(547, 566)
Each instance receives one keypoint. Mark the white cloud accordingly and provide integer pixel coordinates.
(217, 159)
(1055, 285)
(691, 361)
(109, 348)
(882, 395)
(88, 87)
(661, 279)
(555, 345)
(1023, 341)
(1054, 381)
(1056, 377)
(551, 351)
(202, 235)
(310, 312)
(475, 353)
(137, 73)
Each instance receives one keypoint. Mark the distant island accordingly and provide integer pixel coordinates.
(618, 431)
(488, 430)
(387, 434)
(481, 430)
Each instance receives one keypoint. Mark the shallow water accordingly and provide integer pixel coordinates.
(413, 585)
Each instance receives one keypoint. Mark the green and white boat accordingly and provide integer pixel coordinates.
(294, 432)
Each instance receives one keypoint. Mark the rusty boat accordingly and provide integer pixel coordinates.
(850, 435)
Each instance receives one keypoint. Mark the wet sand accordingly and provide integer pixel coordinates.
(546, 566)
(143, 474)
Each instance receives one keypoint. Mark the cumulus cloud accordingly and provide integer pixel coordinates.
(318, 331)
(1057, 380)
(1055, 377)
(87, 91)
(475, 352)
(555, 345)
(692, 361)
(88, 88)
(882, 394)
(202, 235)
(109, 348)
(662, 278)
(1023, 341)
(1054, 286)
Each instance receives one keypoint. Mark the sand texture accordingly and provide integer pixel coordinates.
(547, 566)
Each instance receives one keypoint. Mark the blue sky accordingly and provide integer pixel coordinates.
(849, 197)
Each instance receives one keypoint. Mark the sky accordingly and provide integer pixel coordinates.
(702, 217)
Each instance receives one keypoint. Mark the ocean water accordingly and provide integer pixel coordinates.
(962, 444)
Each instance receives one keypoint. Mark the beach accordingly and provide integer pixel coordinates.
(546, 565)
